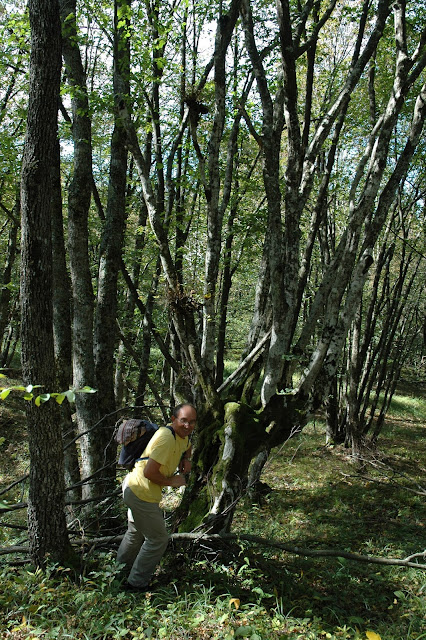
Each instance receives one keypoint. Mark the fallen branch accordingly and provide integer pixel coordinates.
(387, 482)
(275, 544)
(10, 486)
(24, 505)
(8, 550)
(300, 551)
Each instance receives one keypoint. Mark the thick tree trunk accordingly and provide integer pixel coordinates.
(225, 448)
(46, 518)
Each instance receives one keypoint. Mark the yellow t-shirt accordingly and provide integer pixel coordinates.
(167, 450)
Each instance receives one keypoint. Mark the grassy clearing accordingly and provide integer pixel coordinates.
(317, 498)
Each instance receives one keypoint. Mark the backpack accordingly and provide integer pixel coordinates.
(134, 434)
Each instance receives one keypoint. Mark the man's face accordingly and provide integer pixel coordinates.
(185, 422)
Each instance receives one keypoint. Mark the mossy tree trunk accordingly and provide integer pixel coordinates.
(223, 453)
(226, 450)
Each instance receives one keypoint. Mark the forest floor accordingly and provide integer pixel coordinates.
(315, 497)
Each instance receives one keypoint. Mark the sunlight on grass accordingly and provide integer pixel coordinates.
(314, 496)
(408, 406)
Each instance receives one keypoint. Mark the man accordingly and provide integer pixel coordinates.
(146, 538)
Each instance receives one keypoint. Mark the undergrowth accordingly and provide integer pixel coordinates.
(314, 496)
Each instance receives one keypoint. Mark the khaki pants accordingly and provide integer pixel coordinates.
(145, 540)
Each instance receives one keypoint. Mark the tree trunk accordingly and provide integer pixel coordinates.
(46, 519)
(212, 189)
(6, 293)
(79, 196)
(226, 448)
(131, 298)
(62, 329)
(106, 337)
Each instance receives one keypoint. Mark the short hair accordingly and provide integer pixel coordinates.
(178, 407)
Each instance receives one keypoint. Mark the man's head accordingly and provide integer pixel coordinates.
(184, 418)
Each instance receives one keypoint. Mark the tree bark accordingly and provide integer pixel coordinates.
(46, 519)
(105, 330)
(62, 328)
(79, 196)
(6, 293)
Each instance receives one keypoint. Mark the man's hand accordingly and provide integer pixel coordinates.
(177, 481)
(185, 465)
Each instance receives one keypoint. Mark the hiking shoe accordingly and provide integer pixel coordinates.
(130, 588)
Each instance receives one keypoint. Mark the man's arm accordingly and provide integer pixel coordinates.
(153, 473)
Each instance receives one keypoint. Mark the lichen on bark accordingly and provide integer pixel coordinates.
(221, 461)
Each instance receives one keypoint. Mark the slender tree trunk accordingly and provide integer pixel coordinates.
(46, 518)
(6, 294)
(105, 336)
(62, 329)
(147, 334)
(79, 196)
(130, 307)
(224, 299)
(353, 426)
(271, 142)
(212, 186)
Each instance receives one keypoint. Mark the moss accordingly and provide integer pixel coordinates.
(224, 450)
(248, 431)
(197, 512)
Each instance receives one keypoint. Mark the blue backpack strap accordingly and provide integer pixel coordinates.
(168, 426)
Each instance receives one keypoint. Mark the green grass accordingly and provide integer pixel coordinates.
(317, 498)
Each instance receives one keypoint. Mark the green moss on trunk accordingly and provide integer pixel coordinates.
(223, 455)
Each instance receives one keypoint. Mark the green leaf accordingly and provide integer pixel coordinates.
(70, 395)
(44, 397)
(4, 394)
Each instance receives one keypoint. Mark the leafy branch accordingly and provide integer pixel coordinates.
(29, 395)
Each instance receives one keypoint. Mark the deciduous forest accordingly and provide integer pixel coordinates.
(220, 203)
